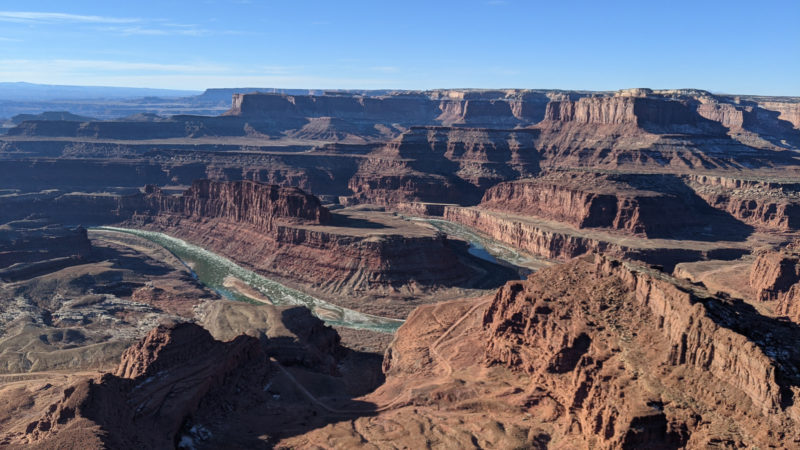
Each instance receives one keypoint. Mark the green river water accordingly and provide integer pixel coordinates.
(212, 270)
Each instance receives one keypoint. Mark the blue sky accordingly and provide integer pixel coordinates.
(745, 47)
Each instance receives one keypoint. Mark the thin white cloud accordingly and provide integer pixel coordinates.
(128, 26)
(52, 17)
(153, 31)
(80, 66)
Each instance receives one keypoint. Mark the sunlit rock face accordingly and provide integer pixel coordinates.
(285, 232)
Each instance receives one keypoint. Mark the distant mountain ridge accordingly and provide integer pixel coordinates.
(44, 92)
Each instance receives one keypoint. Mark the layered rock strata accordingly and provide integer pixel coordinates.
(650, 205)
(775, 275)
(764, 203)
(556, 240)
(438, 146)
(622, 109)
(286, 233)
(582, 342)
(662, 130)
(440, 164)
(595, 353)
(258, 205)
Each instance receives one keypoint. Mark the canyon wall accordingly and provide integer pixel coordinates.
(287, 234)
(769, 204)
(432, 146)
(554, 241)
(570, 328)
(442, 164)
(788, 111)
(482, 108)
(650, 205)
(729, 115)
(330, 263)
(256, 204)
(775, 275)
(618, 110)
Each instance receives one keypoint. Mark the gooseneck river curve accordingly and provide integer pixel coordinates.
(212, 270)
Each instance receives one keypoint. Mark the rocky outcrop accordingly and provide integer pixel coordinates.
(789, 303)
(729, 115)
(764, 203)
(650, 205)
(333, 262)
(595, 353)
(622, 109)
(662, 130)
(287, 234)
(174, 372)
(635, 356)
(775, 275)
(557, 241)
(256, 204)
(440, 164)
(787, 110)
(290, 334)
(164, 348)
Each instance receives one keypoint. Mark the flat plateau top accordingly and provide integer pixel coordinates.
(364, 222)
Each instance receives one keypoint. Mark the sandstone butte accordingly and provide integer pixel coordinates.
(668, 316)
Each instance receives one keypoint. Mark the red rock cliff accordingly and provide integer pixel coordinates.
(776, 276)
(634, 356)
(770, 204)
(651, 205)
(256, 204)
(788, 111)
(621, 110)
(288, 235)
(443, 164)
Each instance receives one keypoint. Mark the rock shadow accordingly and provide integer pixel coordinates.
(776, 337)
(341, 220)
(696, 219)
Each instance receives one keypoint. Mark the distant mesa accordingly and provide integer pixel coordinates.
(50, 116)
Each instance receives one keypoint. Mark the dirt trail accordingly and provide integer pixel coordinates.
(399, 399)
(8, 379)
(433, 348)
